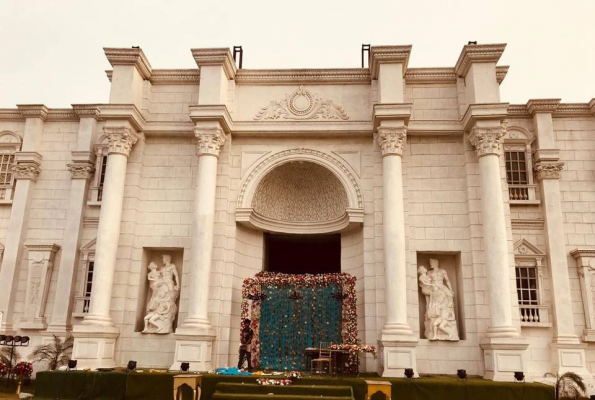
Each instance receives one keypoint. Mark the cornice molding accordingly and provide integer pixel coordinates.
(518, 110)
(573, 110)
(388, 55)
(175, 76)
(430, 75)
(536, 224)
(583, 255)
(391, 112)
(303, 76)
(216, 56)
(592, 106)
(478, 53)
(42, 247)
(501, 72)
(61, 114)
(484, 111)
(122, 112)
(33, 111)
(126, 56)
(10, 114)
(86, 110)
(542, 105)
(211, 116)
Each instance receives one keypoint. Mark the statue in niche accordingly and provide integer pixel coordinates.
(165, 289)
(440, 322)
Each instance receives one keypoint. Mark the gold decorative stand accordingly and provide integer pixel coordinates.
(194, 381)
(379, 386)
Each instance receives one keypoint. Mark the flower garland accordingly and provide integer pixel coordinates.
(3, 369)
(274, 382)
(23, 369)
(355, 348)
(252, 291)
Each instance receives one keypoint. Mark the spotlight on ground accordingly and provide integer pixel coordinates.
(461, 373)
(519, 376)
(131, 365)
(409, 373)
(184, 367)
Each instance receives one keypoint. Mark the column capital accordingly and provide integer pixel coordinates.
(81, 170)
(26, 171)
(120, 139)
(210, 141)
(548, 170)
(487, 140)
(542, 105)
(391, 140)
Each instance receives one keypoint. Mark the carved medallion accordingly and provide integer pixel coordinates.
(301, 105)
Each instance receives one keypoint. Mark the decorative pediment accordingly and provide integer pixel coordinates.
(524, 248)
(88, 250)
(301, 105)
(518, 134)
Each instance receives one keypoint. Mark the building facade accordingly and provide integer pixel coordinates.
(403, 165)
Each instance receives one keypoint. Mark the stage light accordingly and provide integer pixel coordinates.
(461, 373)
(184, 367)
(409, 372)
(592, 397)
(2, 339)
(131, 365)
(519, 376)
(24, 340)
(17, 339)
(9, 339)
(72, 364)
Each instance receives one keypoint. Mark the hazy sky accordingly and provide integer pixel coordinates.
(51, 50)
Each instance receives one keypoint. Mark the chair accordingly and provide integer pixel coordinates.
(324, 357)
(194, 381)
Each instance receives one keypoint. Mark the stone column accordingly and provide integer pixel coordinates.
(26, 172)
(568, 351)
(391, 142)
(487, 143)
(95, 337)
(81, 170)
(504, 349)
(194, 338)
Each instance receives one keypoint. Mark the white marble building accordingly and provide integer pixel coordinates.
(405, 164)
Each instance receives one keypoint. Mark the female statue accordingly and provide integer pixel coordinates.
(440, 322)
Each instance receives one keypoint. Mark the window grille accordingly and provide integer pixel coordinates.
(6, 177)
(88, 286)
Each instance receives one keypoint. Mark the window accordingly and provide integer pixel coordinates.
(6, 176)
(103, 167)
(529, 276)
(10, 144)
(519, 169)
(526, 287)
(85, 280)
(99, 178)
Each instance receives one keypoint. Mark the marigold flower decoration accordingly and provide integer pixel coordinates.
(273, 382)
(3, 369)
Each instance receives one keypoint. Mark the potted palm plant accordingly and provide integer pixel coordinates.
(570, 386)
(55, 353)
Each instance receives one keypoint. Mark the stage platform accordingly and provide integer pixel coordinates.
(156, 386)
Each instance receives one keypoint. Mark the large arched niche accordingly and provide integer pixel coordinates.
(300, 191)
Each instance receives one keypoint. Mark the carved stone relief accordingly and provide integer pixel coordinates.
(300, 191)
(41, 263)
(301, 105)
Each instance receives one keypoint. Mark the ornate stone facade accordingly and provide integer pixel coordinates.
(395, 162)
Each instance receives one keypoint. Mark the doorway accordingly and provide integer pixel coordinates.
(302, 254)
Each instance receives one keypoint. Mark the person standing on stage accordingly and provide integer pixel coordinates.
(245, 344)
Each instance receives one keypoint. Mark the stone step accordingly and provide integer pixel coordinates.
(295, 389)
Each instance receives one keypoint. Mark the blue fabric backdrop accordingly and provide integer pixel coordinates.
(289, 326)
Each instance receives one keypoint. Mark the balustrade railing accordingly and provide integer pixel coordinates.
(81, 305)
(534, 315)
(521, 193)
